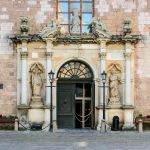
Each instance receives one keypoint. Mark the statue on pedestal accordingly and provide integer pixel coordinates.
(36, 82)
(114, 80)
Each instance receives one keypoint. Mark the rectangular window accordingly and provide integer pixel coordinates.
(75, 15)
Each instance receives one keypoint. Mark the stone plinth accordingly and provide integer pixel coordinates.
(36, 102)
(36, 115)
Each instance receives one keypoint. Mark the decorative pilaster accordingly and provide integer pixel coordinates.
(24, 85)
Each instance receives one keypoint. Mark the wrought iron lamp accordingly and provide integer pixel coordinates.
(103, 76)
(51, 78)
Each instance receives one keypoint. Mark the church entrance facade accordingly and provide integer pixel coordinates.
(75, 96)
(77, 61)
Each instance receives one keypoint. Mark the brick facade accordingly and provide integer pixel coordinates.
(39, 12)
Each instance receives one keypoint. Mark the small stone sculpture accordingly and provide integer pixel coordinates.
(127, 27)
(24, 28)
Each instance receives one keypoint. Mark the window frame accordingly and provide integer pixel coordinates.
(93, 12)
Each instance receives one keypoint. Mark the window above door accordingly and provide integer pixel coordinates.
(75, 16)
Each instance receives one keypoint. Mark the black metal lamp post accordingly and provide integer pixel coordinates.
(103, 75)
(51, 77)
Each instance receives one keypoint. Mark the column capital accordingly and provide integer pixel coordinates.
(102, 55)
(48, 54)
(24, 55)
(127, 55)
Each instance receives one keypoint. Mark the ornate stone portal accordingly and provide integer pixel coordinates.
(51, 48)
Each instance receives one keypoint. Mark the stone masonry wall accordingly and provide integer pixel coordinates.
(39, 12)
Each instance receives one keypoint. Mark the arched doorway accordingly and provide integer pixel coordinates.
(75, 96)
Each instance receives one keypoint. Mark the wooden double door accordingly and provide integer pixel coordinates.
(75, 105)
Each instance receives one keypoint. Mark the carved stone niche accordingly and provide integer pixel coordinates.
(36, 84)
(114, 81)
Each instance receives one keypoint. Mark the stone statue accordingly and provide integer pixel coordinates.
(75, 28)
(36, 79)
(114, 87)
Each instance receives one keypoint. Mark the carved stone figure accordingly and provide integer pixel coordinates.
(36, 79)
(51, 28)
(24, 28)
(97, 24)
(75, 22)
(114, 88)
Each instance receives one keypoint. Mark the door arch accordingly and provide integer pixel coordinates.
(75, 95)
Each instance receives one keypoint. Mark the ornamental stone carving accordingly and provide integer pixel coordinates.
(36, 80)
(127, 28)
(51, 29)
(127, 55)
(98, 28)
(24, 28)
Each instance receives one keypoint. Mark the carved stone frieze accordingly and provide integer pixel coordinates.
(102, 55)
(24, 54)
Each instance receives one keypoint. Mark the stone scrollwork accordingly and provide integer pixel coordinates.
(114, 80)
(36, 80)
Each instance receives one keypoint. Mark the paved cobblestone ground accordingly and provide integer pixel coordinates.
(74, 140)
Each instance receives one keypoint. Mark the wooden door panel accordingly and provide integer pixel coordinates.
(65, 105)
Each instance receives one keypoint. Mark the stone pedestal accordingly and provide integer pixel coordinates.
(128, 119)
(36, 115)
(114, 102)
(36, 102)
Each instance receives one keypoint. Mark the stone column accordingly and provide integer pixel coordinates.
(102, 55)
(49, 55)
(128, 93)
(24, 85)
(128, 104)
(18, 76)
